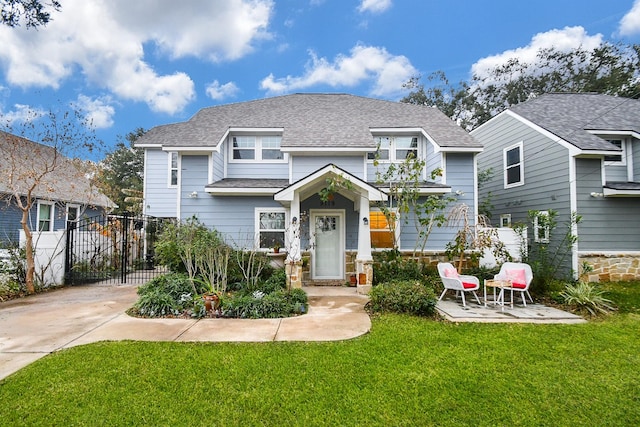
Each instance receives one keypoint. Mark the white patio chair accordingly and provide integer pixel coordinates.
(520, 276)
(456, 282)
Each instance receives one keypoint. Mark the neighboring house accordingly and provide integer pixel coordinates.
(571, 153)
(59, 191)
(254, 170)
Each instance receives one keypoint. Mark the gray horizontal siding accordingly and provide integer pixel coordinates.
(635, 155)
(160, 200)
(258, 170)
(608, 224)
(546, 171)
(616, 173)
(304, 165)
(218, 166)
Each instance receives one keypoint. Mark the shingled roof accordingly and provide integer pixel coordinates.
(312, 120)
(572, 116)
(23, 158)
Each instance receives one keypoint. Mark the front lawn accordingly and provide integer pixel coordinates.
(407, 371)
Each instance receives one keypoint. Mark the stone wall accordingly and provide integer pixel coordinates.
(611, 267)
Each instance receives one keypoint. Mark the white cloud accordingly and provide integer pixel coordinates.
(374, 6)
(98, 112)
(386, 72)
(630, 23)
(106, 42)
(563, 40)
(21, 114)
(219, 92)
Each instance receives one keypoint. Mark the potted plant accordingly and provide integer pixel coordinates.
(276, 247)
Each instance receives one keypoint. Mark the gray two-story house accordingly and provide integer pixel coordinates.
(570, 153)
(254, 171)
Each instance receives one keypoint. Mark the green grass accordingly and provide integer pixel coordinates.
(408, 371)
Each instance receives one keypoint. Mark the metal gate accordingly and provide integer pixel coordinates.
(114, 248)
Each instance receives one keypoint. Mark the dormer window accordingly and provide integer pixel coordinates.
(617, 159)
(252, 148)
(394, 148)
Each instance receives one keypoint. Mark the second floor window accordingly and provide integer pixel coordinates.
(513, 166)
(257, 148)
(394, 149)
(618, 159)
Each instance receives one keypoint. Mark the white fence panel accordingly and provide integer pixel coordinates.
(48, 256)
(512, 241)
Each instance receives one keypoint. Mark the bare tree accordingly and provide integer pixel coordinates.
(32, 171)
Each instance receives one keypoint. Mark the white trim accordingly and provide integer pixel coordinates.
(342, 235)
(599, 132)
(257, 150)
(256, 225)
(573, 203)
(170, 168)
(329, 150)
(52, 215)
(75, 206)
(190, 150)
(573, 150)
(520, 165)
(243, 191)
(610, 192)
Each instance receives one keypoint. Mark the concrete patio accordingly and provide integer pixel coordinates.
(453, 310)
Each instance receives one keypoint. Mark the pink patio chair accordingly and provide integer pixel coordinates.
(456, 282)
(520, 276)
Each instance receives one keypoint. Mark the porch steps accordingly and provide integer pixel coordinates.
(324, 283)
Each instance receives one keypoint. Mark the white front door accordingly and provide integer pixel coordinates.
(328, 244)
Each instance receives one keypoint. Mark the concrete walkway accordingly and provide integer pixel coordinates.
(33, 327)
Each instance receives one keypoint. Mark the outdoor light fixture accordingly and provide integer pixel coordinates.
(294, 220)
(365, 221)
(594, 194)
(193, 195)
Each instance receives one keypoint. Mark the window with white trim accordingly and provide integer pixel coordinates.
(394, 148)
(252, 148)
(513, 165)
(271, 225)
(173, 169)
(383, 236)
(73, 212)
(617, 159)
(45, 216)
(541, 227)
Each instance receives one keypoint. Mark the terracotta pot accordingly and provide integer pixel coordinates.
(353, 280)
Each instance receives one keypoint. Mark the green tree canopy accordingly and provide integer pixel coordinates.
(612, 69)
(120, 175)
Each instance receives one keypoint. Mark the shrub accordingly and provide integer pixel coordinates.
(281, 303)
(165, 295)
(390, 265)
(586, 296)
(403, 296)
(277, 281)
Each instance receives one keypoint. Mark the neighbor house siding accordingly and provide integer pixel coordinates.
(160, 200)
(546, 171)
(304, 165)
(10, 227)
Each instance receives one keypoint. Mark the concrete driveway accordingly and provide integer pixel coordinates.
(33, 327)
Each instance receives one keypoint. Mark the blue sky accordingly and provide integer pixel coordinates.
(144, 63)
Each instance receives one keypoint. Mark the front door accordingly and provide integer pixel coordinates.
(328, 245)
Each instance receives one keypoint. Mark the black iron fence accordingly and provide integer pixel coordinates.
(115, 248)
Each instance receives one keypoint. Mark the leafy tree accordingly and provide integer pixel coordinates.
(120, 176)
(33, 12)
(30, 170)
(612, 69)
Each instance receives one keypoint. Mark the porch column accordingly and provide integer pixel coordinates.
(293, 267)
(364, 260)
